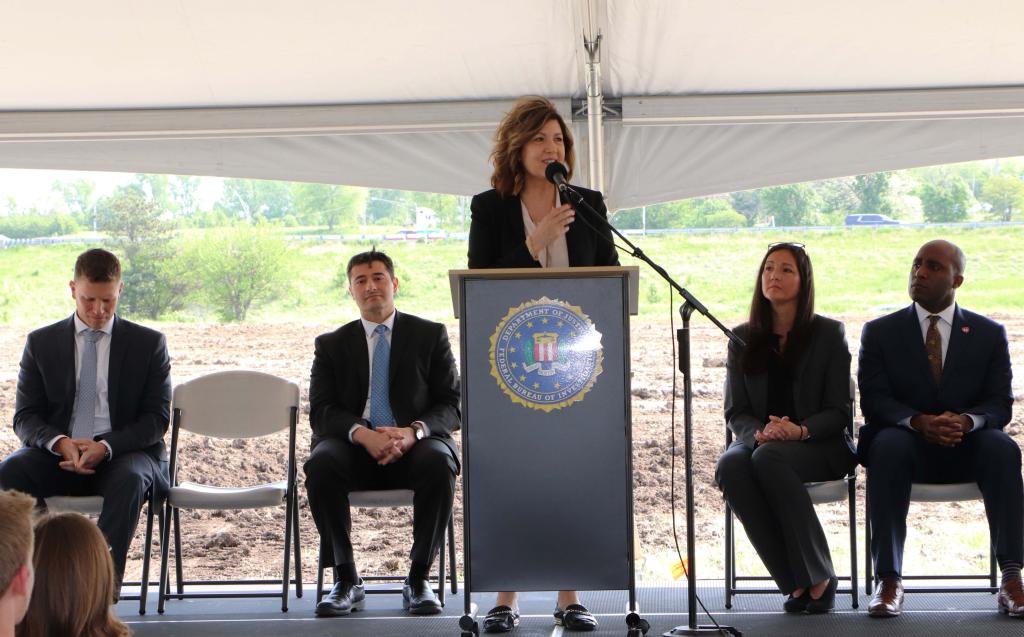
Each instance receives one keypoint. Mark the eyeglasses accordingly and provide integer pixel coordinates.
(785, 244)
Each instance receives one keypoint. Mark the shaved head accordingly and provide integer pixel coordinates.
(956, 255)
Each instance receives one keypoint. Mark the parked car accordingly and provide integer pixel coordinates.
(416, 235)
(870, 219)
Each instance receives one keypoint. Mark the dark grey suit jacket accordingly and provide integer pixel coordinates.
(821, 389)
(138, 387)
(424, 382)
(497, 236)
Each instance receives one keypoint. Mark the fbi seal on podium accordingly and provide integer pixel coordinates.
(546, 354)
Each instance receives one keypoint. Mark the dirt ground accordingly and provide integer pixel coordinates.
(247, 543)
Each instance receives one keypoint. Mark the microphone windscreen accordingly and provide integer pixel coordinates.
(556, 168)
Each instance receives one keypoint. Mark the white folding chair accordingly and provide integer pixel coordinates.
(931, 492)
(92, 505)
(236, 405)
(391, 498)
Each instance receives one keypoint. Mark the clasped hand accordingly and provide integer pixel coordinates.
(777, 430)
(385, 444)
(946, 429)
(80, 455)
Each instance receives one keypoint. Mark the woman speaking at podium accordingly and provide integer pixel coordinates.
(522, 223)
(787, 402)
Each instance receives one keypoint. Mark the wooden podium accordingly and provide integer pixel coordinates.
(546, 435)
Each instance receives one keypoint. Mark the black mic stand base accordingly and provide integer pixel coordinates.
(703, 630)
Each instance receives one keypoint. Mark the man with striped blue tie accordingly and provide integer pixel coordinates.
(93, 403)
(383, 404)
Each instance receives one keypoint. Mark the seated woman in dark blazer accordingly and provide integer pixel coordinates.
(521, 223)
(787, 402)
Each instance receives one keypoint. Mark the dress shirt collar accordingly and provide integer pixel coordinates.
(946, 314)
(80, 326)
(370, 326)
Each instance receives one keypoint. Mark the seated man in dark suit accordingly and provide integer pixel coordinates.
(93, 403)
(383, 403)
(935, 393)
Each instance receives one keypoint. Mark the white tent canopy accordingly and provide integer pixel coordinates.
(703, 97)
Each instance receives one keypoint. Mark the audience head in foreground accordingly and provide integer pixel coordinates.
(74, 581)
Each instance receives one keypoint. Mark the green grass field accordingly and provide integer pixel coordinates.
(857, 270)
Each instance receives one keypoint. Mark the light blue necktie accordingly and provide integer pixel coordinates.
(85, 411)
(380, 400)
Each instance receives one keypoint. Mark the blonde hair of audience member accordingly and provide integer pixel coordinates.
(16, 511)
(74, 581)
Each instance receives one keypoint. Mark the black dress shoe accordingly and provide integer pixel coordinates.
(827, 601)
(419, 599)
(797, 604)
(575, 617)
(501, 619)
(344, 598)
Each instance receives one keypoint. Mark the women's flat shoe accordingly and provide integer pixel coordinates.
(797, 604)
(575, 617)
(501, 619)
(827, 601)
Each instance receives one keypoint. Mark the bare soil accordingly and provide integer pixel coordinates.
(247, 543)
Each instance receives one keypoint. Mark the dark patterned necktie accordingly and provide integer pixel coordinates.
(933, 345)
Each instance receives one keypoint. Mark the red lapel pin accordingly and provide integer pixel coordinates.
(965, 329)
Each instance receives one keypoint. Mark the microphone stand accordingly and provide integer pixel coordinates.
(683, 339)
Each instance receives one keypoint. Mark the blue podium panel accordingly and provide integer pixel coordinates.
(546, 436)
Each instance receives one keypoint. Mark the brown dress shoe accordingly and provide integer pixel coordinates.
(888, 599)
(1011, 598)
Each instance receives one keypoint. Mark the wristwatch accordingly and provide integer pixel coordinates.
(420, 430)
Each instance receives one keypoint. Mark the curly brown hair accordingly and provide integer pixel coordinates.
(526, 118)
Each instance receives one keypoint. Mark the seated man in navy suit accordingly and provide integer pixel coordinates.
(935, 393)
(93, 402)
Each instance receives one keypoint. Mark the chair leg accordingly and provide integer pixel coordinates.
(451, 555)
(440, 569)
(164, 586)
(146, 554)
(730, 567)
(852, 502)
(320, 574)
(287, 551)
(869, 577)
(298, 548)
(178, 570)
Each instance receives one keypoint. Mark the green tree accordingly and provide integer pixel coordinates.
(328, 204)
(872, 193)
(80, 198)
(154, 273)
(390, 207)
(837, 198)
(792, 204)
(1005, 194)
(748, 204)
(239, 268)
(255, 199)
(185, 195)
(946, 200)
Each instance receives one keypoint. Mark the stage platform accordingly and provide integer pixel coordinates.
(924, 615)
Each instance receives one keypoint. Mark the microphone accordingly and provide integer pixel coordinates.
(556, 173)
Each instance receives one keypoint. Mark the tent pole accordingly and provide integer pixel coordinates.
(595, 111)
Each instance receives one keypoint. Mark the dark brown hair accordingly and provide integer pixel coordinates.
(74, 581)
(519, 125)
(366, 258)
(761, 337)
(98, 266)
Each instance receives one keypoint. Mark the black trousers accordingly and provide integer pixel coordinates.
(765, 489)
(122, 481)
(899, 457)
(336, 467)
